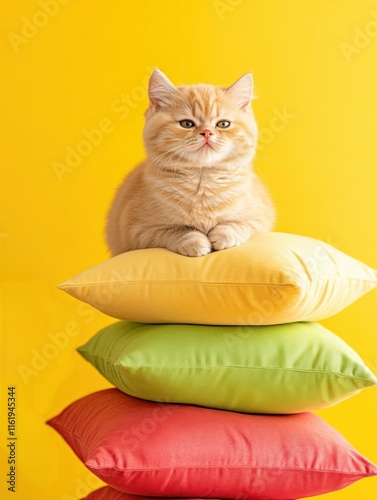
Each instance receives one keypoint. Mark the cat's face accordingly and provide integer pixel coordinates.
(201, 125)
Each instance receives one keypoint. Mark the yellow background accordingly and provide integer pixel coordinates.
(84, 66)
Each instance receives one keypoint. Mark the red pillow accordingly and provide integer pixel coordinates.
(154, 449)
(107, 493)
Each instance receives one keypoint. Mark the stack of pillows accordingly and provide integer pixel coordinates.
(218, 363)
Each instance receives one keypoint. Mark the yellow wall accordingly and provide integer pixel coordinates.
(76, 65)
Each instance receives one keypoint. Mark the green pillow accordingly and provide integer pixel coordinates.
(264, 369)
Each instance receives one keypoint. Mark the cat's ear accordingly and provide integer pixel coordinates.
(242, 91)
(160, 90)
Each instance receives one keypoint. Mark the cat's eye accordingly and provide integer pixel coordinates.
(187, 123)
(223, 124)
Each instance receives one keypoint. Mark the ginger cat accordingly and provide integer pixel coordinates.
(196, 191)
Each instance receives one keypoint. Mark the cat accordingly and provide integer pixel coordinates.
(196, 191)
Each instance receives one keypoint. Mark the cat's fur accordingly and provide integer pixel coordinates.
(196, 191)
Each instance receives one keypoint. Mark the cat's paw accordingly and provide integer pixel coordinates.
(223, 236)
(194, 244)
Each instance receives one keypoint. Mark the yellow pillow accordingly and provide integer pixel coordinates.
(274, 278)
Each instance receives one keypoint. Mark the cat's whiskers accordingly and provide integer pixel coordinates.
(161, 158)
(190, 181)
(258, 156)
(162, 163)
(164, 154)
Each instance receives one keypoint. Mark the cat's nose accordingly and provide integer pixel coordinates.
(206, 133)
